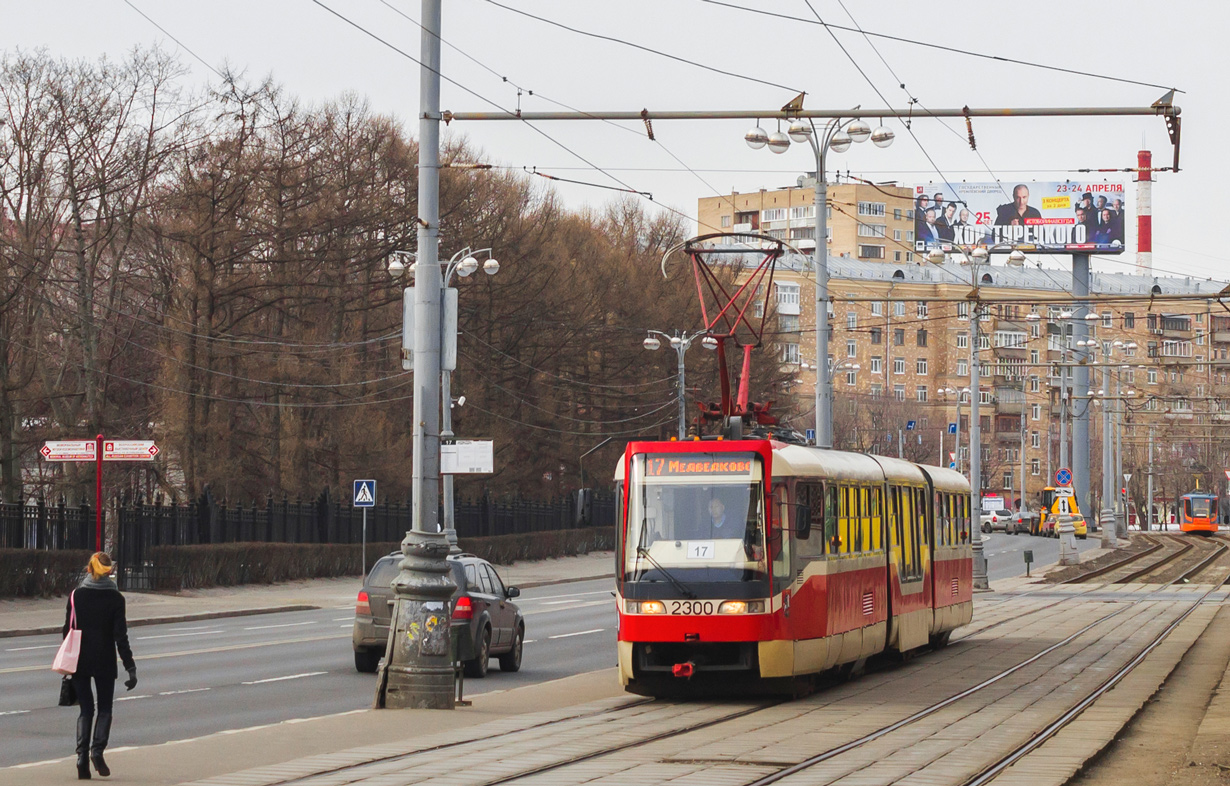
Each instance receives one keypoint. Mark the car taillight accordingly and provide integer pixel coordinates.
(463, 610)
(362, 606)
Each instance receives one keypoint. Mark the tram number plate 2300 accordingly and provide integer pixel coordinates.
(691, 606)
(700, 549)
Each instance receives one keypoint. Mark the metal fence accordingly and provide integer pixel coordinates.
(142, 524)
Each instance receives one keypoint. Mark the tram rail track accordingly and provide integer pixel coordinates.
(787, 771)
(1155, 545)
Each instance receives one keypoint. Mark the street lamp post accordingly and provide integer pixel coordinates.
(838, 136)
(418, 671)
(680, 343)
(464, 263)
(975, 257)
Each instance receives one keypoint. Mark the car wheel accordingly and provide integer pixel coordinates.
(366, 660)
(511, 660)
(478, 667)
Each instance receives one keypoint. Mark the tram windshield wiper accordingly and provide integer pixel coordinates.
(641, 551)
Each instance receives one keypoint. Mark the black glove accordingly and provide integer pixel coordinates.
(131, 682)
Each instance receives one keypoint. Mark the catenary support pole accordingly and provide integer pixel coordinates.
(680, 350)
(98, 495)
(1149, 487)
(446, 432)
(1080, 387)
(1120, 499)
(1109, 530)
(980, 580)
(419, 672)
(820, 260)
(1065, 404)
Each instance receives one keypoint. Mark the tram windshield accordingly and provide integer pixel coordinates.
(696, 517)
(1199, 507)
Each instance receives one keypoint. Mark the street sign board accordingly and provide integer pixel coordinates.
(952, 428)
(467, 456)
(811, 437)
(365, 493)
(992, 502)
(129, 450)
(1063, 477)
(909, 425)
(1127, 477)
(70, 450)
(952, 465)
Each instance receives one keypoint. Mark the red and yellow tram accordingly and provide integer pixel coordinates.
(752, 559)
(1198, 513)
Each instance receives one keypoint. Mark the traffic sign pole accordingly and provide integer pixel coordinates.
(98, 495)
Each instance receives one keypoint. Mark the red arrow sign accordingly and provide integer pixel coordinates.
(69, 450)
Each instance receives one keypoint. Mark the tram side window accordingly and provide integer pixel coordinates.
(876, 517)
(620, 530)
(925, 523)
(860, 520)
(843, 515)
(830, 518)
(810, 497)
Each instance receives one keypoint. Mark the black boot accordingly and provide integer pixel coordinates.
(102, 733)
(83, 746)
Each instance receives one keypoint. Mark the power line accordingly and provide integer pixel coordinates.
(941, 47)
(181, 44)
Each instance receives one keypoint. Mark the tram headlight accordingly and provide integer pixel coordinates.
(644, 607)
(741, 607)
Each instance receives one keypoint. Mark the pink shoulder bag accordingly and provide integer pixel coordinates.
(70, 649)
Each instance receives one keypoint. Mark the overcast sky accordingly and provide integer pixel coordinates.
(317, 56)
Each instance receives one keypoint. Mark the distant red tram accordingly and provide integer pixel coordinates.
(755, 560)
(1198, 513)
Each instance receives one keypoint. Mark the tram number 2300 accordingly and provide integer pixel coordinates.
(692, 606)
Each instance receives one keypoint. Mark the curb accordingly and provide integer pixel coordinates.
(171, 619)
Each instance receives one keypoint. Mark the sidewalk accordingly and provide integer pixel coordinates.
(312, 744)
(27, 616)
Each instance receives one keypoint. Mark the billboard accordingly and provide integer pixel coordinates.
(1068, 217)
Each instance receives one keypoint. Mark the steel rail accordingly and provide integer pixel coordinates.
(1163, 562)
(1220, 549)
(1041, 737)
(1102, 571)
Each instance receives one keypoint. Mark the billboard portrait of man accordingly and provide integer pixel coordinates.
(1018, 210)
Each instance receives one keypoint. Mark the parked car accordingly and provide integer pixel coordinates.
(485, 621)
(996, 520)
(1021, 521)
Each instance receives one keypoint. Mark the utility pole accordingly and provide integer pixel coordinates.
(1120, 501)
(1080, 392)
(418, 671)
(1149, 487)
(1109, 529)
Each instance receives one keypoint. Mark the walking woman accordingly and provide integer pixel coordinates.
(104, 631)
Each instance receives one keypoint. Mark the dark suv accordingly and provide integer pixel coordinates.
(485, 621)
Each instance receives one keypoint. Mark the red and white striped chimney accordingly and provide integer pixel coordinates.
(1144, 213)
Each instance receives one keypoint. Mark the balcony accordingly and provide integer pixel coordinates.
(1009, 400)
(1221, 337)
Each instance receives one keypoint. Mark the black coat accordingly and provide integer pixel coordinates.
(104, 631)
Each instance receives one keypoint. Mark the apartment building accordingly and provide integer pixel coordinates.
(901, 333)
(868, 222)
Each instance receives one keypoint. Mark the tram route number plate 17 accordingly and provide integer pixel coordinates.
(700, 549)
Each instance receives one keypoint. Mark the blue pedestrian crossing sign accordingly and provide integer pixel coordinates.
(365, 493)
(909, 425)
(952, 428)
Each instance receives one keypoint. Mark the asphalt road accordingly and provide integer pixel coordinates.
(198, 678)
(202, 677)
(1006, 553)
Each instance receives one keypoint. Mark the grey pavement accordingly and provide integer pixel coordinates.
(209, 676)
(24, 616)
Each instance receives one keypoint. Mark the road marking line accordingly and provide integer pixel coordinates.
(134, 698)
(205, 651)
(15, 712)
(288, 677)
(178, 692)
(347, 627)
(283, 625)
(39, 647)
(344, 619)
(578, 633)
(194, 627)
(529, 641)
(176, 635)
(609, 602)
